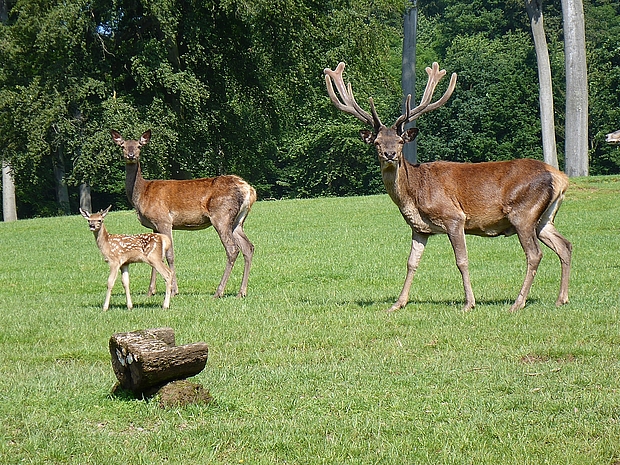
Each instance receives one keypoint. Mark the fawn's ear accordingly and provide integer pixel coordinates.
(145, 138)
(116, 137)
(105, 212)
(85, 214)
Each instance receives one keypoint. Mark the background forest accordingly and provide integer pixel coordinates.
(237, 87)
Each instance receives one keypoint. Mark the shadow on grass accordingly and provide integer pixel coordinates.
(138, 306)
(443, 302)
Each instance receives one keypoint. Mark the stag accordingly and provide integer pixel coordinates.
(165, 205)
(485, 199)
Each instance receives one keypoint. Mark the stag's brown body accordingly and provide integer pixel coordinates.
(164, 205)
(485, 199)
(489, 199)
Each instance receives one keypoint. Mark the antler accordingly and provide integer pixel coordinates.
(434, 76)
(348, 103)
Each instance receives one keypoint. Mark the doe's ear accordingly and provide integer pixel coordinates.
(105, 212)
(116, 137)
(145, 138)
(410, 134)
(368, 136)
(85, 214)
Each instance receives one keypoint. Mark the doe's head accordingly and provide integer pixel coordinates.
(131, 148)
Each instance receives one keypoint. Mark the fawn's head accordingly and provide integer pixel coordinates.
(95, 220)
(131, 148)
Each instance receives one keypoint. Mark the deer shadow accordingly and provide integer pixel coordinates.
(443, 302)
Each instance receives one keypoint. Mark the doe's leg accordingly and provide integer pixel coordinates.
(167, 275)
(125, 281)
(247, 249)
(170, 259)
(224, 227)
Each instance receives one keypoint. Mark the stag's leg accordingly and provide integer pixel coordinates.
(247, 249)
(563, 249)
(533, 254)
(125, 281)
(111, 281)
(418, 242)
(457, 239)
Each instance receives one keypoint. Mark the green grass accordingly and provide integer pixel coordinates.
(309, 368)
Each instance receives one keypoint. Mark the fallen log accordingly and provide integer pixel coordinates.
(145, 360)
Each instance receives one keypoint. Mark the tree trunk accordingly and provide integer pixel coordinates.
(408, 70)
(4, 11)
(576, 144)
(534, 12)
(62, 191)
(85, 198)
(9, 207)
(145, 360)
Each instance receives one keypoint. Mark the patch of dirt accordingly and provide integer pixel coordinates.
(182, 393)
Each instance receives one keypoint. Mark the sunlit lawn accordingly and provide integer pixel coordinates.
(309, 368)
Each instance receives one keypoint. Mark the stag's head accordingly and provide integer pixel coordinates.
(131, 148)
(95, 220)
(389, 141)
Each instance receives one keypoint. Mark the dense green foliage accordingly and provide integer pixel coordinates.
(309, 368)
(230, 87)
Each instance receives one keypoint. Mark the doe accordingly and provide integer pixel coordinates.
(190, 205)
(119, 250)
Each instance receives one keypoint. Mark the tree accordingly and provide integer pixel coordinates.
(9, 207)
(576, 145)
(547, 118)
(409, 69)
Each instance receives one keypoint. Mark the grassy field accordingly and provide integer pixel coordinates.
(309, 368)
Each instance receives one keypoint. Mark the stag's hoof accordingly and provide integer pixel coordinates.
(396, 306)
(516, 307)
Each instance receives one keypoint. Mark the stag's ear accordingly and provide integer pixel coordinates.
(105, 212)
(145, 138)
(368, 136)
(409, 135)
(85, 214)
(116, 137)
